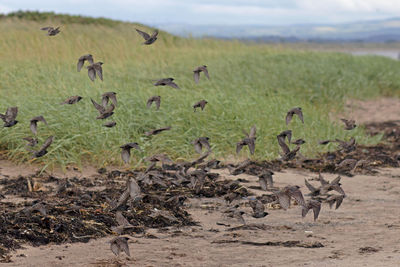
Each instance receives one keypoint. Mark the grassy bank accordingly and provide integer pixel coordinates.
(250, 84)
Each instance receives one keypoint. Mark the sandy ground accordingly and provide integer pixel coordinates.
(364, 231)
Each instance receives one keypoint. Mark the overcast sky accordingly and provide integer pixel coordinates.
(267, 12)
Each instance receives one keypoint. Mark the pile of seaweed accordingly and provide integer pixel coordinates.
(43, 209)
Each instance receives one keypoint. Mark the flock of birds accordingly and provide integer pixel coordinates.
(133, 192)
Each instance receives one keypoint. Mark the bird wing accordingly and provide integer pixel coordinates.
(253, 131)
(125, 155)
(99, 107)
(158, 102)
(310, 187)
(145, 35)
(322, 180)
(252, 145)
(239, 146)
(80, 64)
(155, 33)
(263, 183)
(206, 144)
(196, 76)
(121, 220)
(304, 211)
(123, 244)
(339, 200)
(99, 71)
(91, 74)
(46, 28)
(289, 117)
(173, 85)
(114, 248)
(104, 100)
(299, 113)
(338, 189)
(205, 70)
(134, 189)
(284, 200)
(47, 143)
(33, 127)
(198, 147)
(316, 207)
(336, 180)
(113, 98)
(298, 196)
(282, 144)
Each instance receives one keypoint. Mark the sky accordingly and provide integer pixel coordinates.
(218, 12)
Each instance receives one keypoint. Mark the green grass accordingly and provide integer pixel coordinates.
(250, 84)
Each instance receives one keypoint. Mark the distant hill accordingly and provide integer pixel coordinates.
(366, 31)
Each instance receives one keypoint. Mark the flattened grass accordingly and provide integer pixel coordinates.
(250, 84)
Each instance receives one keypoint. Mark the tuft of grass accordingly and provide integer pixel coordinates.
(250, 85)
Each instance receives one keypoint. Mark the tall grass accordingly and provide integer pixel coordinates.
(250, 84)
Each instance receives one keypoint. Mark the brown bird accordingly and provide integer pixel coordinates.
(156, 99)
(258, 208)
(201, 142)
(314, 191)
(347, 146)
(293, 111)
(311, 204)
(43, 150)
(51, 31)
(148, 39)
(34, 122)
(110, 124)
(109, 96)
(82, 60)
(94, 69)
(10, 116)
(338, 199)
(120, 244)
(168, 82)
(288, 192)
(196, 73)
(287, 154)
(40, 207)
(349, 124)
(31, 141)
(126, 151)
(72, 100)
(238, 215)
(104, 112)
(157, 131)
(201, 104)
(265, 180)
(325, 142)
(249, 141)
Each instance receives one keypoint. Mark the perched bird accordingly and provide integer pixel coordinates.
(288, 192)
(104, 112)
(51, 31)
(10, 116)
(34, 122)
(249, 141)
(167, 81)
(287, 154)
(82, 60)
(258, 208)
(156, 99)
(148, 39)
(293, 111)
(31, 141)
(72, 100)
(110, 124)
(349, 124)
(311, 204)
(265, 180)
(94, 69)
(196, 73)
(347, 146)
(298, 142)
(109, 96)
(120, 244)
(238, 215)
(157, 131)
(201, 142)
(43, 150)
(126, 151)
(338, 199)
(201, 104)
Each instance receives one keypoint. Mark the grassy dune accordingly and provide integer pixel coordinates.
(250, 84)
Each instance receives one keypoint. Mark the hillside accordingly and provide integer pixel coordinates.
(250, 85)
